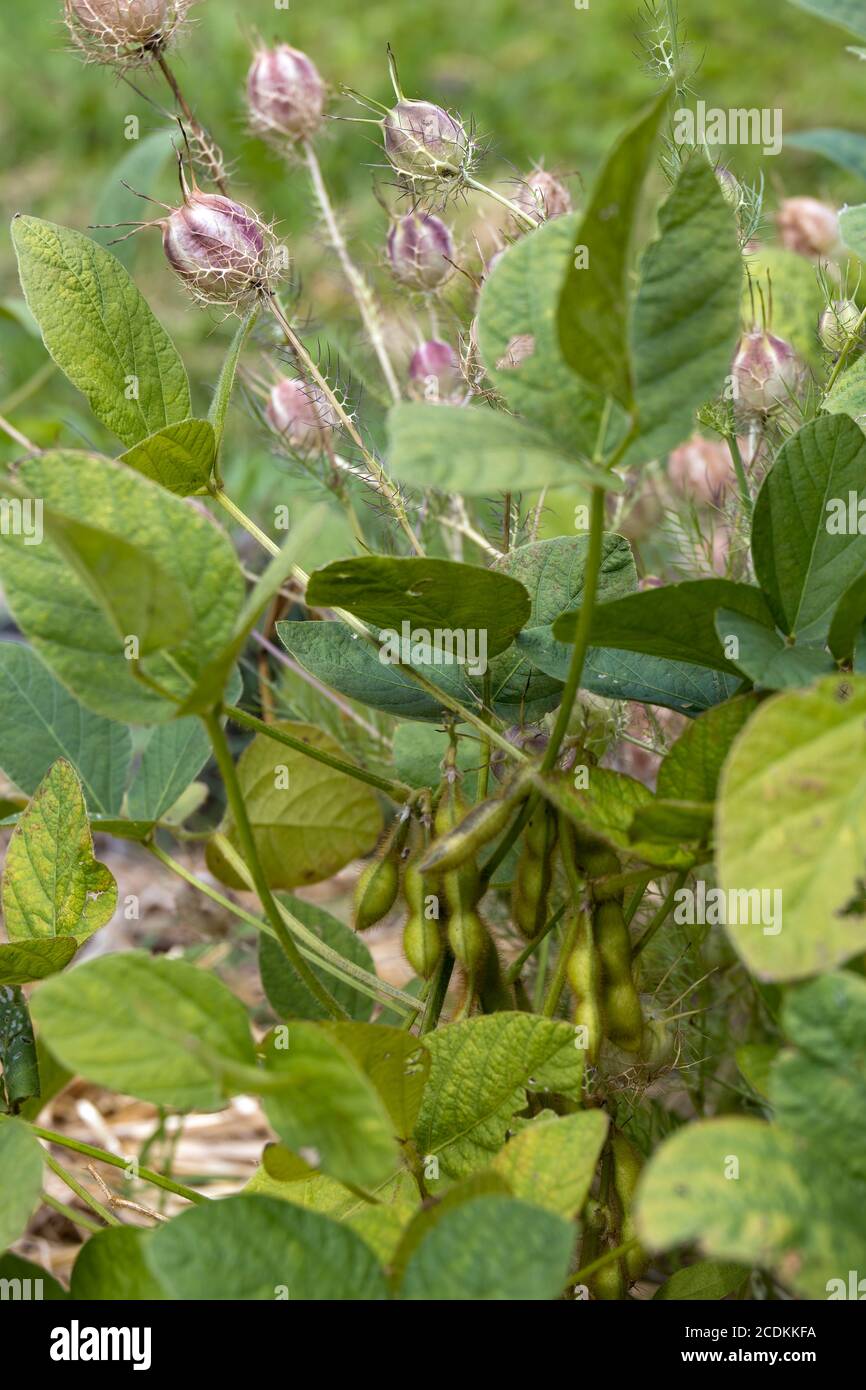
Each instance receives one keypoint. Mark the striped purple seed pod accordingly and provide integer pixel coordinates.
(220, 249)
(420, 251)
(125, 33)
(302, 415)
(423, 139)
(434, 370)
(285, 94)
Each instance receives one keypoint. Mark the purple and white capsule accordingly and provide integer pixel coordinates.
(302, 415)
(220, 249)
(285, 94)
(767, 372)
(123, 32)
(434, 371)
(420, 251)
(423, 139)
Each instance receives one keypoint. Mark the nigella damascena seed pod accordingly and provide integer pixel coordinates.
(123, 32)
(285, 94)
(808, 227)
(423, 139)
(302, 415)
(420, 251)
(838, 324)
(542, 197)
(767, 372)
(434, 370)
(221, 250)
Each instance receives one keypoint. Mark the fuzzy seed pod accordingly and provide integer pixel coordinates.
(701, 468)
(542, 197)
(422, 945)
(477, 828)
(730, 186)
(534, 874)
(468, 938)
(838, 323)
(808, 227)
(767, 372)
(123, 33)
(434, 371)
(285, 94)
(584, 976)
(420, 251)
(302, 415)
(422, 140)
(376, 892)
(221, 250)
(627, 1165)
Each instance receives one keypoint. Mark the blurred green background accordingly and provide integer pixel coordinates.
(542, 81)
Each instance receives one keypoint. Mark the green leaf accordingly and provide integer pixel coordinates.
(754, 1061)
(481, 1071)
(222, 396)
(852, 227)
(802, 565)
(765, 656)
(396, 1064)
(419, 752)
(802, 755)
(707, 1280)
(848, 620)
(180, 457)
(686, 320)
(520, 301)
(52, 885)
(593, 310)
(149, 1027)
(42, 589)
(24, 961)
(848, 14)
(691, 770)
(20, 1079)
(173, 756)
(250, 1247)
(42, 1285)
(138, 170)
(552, 1162)
(20, 1178)
(99, 330)
(475, 451)
(665, 822)
(337, 657)
(491, 1248)
(675, 622)
(606, 807)
(845, 148)
(41, 722)
(320, 1101)
(308, 820)
(438, 596)
(848, 396)
(112, 1265)
(287, 994)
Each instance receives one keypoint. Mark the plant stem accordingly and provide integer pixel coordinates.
(81, 1192)
(18, 437)
(367, 306)
(518, 963)
(30, 387)
(103, 1156)
(436, 999)
(396, 790)
(584, 625)
(234, 795)
(76, 1217)
(606, 1259)
(528, 222)
(234, 511)
(557, 984)
(740, 470)
(844, 354)
(209, 149)
(660, 917)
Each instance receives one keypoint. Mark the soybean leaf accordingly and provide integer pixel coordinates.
(848, 620)
(804, 562)
(607, 806)
(308, 820)
(664, 821)
(480, 1073)
(24, 961)
(845, 148)
(42, 588)
(319, 1101)
(394, 1061)
(41, 722)
(251, 1247)
(593, 310)
(173, 756)
(434, 595)
(801, 753)
(766, 658)
(687, 314)
(180, 457)
(852, 227)
(476, 451)
(848, 396)
(754, 1061)
(20, 1178)
(519, 340)
(112, 1265)
(223, 394)
(149, 1027)
(707, 1280)
(846, 13)
(52, 885)
(419, 754)
(41, 1285)
(99, 330)
(139, 170)
(19, 1082)
(675, 622)
(691, 770)
(287, 994)
(491, 1248)
(552, 1162)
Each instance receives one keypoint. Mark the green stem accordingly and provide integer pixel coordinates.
(740, 470)
(441, 981)
(396, 790)
(103, 1156)
(660, 917)
(528, 222)
(606, 1259)
(234, 511)
(76, 1217)
(81, 1192)
(237, 807)
(518, 963)
(844, 354)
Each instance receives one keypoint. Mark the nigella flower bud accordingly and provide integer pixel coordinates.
(767, 371)
(809, 227)
(123, 32)
(434, 370)
(285, 93)
(730, 186)
(422, 139)
(701, 468)
(302, 415)
(838, 324)
(420, 251)
(221, 250)
(542, 197)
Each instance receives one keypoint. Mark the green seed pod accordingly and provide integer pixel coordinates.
(608, 1284)
(376, 892)
(422, 945)
(622, 1009)
(534, 874)
(659, 1044)
(476, 829)
(627, 1165)
(493, 990)
(584, 976)
(468, 938)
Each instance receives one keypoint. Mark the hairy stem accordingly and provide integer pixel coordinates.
(528, 222)
(211, 153)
